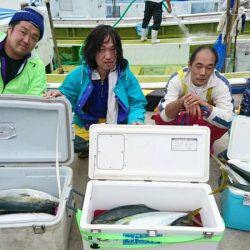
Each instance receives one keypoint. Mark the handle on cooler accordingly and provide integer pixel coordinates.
(7, 131)
(72, 194)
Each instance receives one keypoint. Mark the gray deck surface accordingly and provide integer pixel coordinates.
(233, 239)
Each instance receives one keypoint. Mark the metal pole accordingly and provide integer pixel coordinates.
(227, 39)
(60, 69)
(236, 11)
(114, 8)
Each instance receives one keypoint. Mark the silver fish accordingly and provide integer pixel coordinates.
(27, 201)
(115, 214)
(160, 219)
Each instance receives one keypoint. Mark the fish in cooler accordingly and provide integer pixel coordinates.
(117, 213)
(27, 201)
(161, 219)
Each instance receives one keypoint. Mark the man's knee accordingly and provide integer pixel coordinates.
(80, 144)
(158, 120)
(81, 141)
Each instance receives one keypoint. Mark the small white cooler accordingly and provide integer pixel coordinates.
(162, 167)
(28, 153)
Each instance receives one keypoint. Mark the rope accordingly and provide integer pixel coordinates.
(57, 161)
(124, 13)
(5, 16)
(6, 13)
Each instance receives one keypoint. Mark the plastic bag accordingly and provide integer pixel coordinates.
(138, 29)
(245, 104)
(220, 48)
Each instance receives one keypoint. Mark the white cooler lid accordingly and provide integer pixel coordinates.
(239, 143)
(149, 152)
(28, 130)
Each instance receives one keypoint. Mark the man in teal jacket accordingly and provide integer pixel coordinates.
(22, 71)
(102, 89)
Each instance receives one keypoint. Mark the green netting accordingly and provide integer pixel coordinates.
(153, 70)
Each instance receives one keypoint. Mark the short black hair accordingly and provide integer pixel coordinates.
(12, 25)
(199, 49)
(95, 40)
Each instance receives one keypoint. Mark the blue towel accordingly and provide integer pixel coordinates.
(220, 47)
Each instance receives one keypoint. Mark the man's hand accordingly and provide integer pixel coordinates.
(192, 99)
(169, 9)
(193, 103)
(52, 94)
(193, 110)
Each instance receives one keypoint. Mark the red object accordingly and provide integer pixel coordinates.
(197, 220)
(98, 212)
(184, 119)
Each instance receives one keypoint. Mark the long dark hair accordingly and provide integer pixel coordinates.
(94, 42)
(200, 48)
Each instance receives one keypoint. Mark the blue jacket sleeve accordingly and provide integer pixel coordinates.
(71, 86)
(137, 101)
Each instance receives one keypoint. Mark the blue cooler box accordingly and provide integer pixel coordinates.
(235, 203)
(235, 208)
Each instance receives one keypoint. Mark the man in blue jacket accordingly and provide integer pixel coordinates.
(102, 89)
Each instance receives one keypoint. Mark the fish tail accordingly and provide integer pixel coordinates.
(224, 182)
(187, 219)
(192, 214)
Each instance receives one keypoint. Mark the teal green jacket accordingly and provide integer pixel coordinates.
(31, 80)
(78, 86)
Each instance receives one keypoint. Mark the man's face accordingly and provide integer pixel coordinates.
(202, 67)
(22, 39)
(106, 56)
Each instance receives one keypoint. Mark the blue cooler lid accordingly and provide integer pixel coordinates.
(28, 130)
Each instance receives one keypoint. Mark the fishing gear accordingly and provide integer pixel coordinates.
(228, 179)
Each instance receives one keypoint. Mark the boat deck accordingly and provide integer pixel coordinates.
(199, 18)
(193, 40)
(205, 23)
(154, 77)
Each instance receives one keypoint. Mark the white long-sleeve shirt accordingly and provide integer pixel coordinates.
(221, 115)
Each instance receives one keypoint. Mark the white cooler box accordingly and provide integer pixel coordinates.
(28, 155)
(162, 167)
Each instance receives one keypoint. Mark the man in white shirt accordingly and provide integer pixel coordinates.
(198, 95)
(153, 8)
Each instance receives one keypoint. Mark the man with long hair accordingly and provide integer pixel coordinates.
(102, 89)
